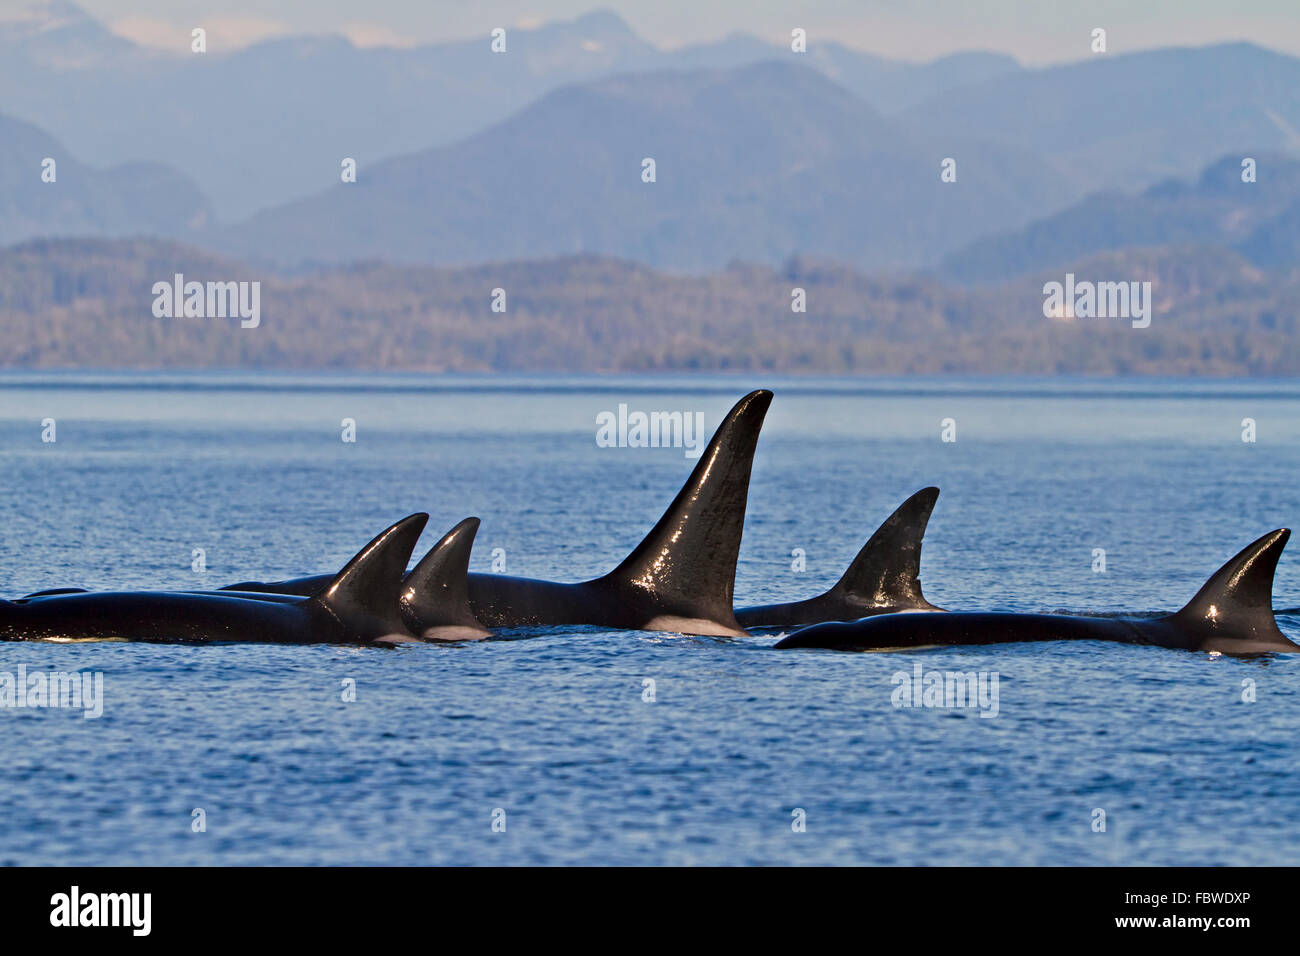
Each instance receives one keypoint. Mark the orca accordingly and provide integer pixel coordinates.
(681, 577)
(435, 594)
(884, 578)
(434, 598)
(1231, 614)
(360, 605)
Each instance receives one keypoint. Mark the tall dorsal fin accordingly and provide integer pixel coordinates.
(686, 565)
(886, 572)
(368, 588)
(1237, 601)
(436, 592)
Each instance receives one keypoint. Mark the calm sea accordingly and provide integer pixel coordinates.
(745, 754)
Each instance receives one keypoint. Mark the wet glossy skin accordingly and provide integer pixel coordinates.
(174, 617)
(502, 601)
(927, 630)
(884, 577)
(359, 605)
(682, 575)
(509, 602)
(816, 610)
(1232, 613)
(432, 599)
(680, 578)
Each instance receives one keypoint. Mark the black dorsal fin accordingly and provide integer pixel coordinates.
(686, 566)
(1237, 601)
(436, 592)
(886, 572)
(367, 591)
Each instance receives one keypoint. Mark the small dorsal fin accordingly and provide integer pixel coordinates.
(1237, 601)
(369, 586)
(436, 592)
(886, 572)
(686, 566)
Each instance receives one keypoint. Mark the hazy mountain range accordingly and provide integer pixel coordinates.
(754, 163)
(131, 199)
(1124, 122)
(523, 171)
(1259, 219)
(466, 156)
(270, 122)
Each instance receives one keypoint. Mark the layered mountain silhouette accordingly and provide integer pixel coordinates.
(1259, 218)
(270, 122)
(1127, 121)
(752, 163)
(146, 199)
(466, 156)
(265, 123)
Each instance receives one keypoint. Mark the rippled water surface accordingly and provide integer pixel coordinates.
(552, 728)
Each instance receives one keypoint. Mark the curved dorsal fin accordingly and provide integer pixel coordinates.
(369, 586)
(436, 592)
(1237, 601)
(886, 572)
(687, 563)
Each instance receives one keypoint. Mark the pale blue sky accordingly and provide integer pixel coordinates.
(1035, 31)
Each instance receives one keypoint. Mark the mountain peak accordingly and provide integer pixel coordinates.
(59, 34)
(604, 21)
(46, 15)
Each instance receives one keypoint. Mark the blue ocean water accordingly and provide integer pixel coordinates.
(552, 730)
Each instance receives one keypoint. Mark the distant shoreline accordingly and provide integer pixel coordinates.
(701, 383)
(84, 304)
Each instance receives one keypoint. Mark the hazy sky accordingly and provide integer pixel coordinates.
(1034, 31)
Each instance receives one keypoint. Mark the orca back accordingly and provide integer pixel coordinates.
(1233, 610)
(435, 595)
(682, 575)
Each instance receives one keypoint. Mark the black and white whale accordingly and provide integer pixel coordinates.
(1231, 614)
(681, 577)
(884, 578)
(359, 605)
(433, 599)
(435, 594)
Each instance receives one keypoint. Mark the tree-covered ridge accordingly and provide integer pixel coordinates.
(88, 304)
